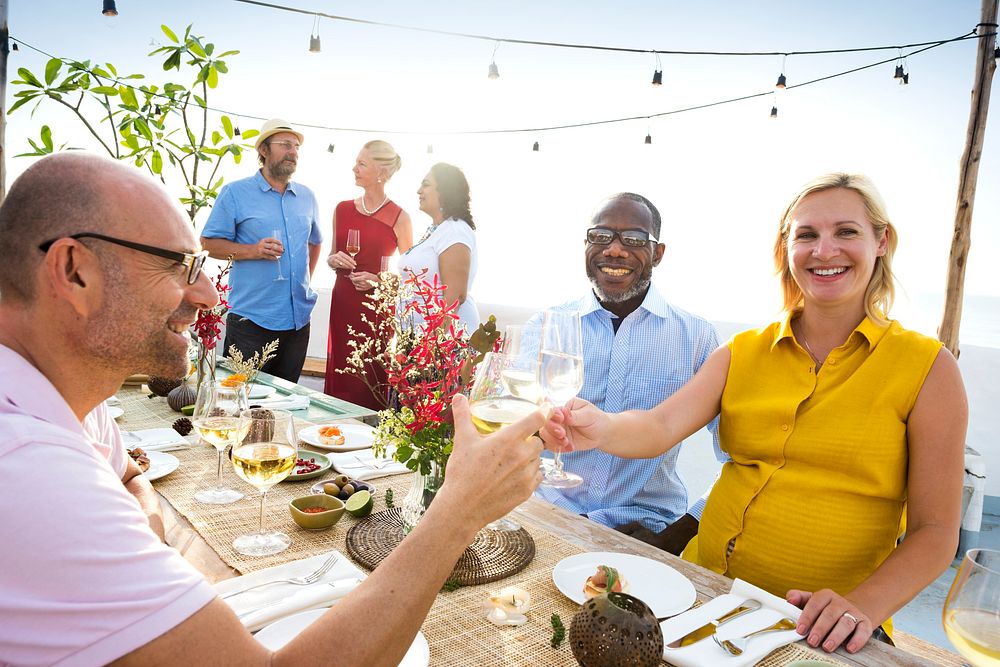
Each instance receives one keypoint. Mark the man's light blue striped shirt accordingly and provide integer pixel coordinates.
(657, 349)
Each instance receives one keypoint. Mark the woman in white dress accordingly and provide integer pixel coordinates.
(448, 248)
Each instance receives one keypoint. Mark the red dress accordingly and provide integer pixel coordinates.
(377, 240)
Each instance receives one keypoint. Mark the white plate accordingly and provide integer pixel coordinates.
(356, 436)
(665, 590)
(115, 412)
(281, 632)
(261, 391)
(161, 464)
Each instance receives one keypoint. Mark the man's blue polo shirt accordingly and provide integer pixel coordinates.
(248, 210)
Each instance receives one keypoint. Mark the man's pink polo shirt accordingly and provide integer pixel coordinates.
(83, 580)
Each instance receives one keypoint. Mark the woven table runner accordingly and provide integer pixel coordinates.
(456, 627)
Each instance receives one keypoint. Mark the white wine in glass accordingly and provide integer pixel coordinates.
(560, 377)
(353, 242)
(216, 417)
(265, 456)
(971, 615)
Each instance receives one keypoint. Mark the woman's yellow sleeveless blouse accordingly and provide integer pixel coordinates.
(815, 495)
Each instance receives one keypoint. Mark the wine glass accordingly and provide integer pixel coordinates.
(560, 377)
(971, 615)
(353, 242)
(383, 265)
(264, 457)
(276, 234)
(217, 419)
(494, 405)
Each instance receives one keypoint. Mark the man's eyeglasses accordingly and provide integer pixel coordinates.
(287, 145)
(194, 263)
(634, 238)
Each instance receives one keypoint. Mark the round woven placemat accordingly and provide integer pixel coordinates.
(493, 555)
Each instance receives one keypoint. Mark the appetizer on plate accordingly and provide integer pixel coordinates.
(140, 458)
(606, 580)
(331, 435)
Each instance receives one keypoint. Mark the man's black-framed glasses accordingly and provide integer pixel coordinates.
(634, 238)
(194, 263)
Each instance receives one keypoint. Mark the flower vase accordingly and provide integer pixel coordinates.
(205, 366)
(420, 495)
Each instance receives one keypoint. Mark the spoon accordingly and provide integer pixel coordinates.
(737, 645)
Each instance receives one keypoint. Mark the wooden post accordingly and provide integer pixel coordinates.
(4, 50)
(969, 173)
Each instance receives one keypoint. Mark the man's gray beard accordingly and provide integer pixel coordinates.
(638, 289)
(282, 171)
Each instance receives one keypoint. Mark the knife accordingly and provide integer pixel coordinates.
(709, 628)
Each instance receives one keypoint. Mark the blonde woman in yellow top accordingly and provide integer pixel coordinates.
(844, 430)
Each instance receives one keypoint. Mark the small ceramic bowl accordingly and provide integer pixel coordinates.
(316, 520)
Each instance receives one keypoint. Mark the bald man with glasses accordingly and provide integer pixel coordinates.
(269, 225)
(85, 581)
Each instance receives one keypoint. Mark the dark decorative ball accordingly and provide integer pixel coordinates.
(616, 630)
(162, 386)
(183, 425)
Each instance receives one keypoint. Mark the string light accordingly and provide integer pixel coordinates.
(658, 72)
(236, 131)
(781, 77)
(329, 149)
(774, 105)
(494, 70)
(649, 139)
(109, 8)
(314, 45)
(535, 147)
(13, 46)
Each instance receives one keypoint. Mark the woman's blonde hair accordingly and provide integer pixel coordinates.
(881, 286)
(385, 157)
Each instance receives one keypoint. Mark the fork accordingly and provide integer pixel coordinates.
(737, 645)
(310, 578)
(378, 464)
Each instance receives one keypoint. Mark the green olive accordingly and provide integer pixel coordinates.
(331, 489)
(341, 480)
(348, 489)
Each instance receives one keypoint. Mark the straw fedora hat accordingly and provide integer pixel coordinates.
(276, 126)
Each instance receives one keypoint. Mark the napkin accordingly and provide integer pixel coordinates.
(286, 402)
(155, 439)
(363, 464)
(262, 606)
(707, 652)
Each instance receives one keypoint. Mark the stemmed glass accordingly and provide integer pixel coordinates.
(560, 377)
(971, 615)
(494, 404)
(275, 233)
(264, 457)
(217, 419)
(353, 242)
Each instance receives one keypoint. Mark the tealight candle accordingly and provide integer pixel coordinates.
(508, 606)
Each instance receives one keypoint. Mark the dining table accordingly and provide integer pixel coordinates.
(456, 628)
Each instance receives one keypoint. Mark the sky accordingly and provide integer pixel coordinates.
(720, 176)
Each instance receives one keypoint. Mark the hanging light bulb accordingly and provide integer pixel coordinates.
(658, 77)
(905, 80)
(649, 139)
(781, 81)
(314, 45)
(774, 112)
(899, 72)
(236, 131)
(109, 8)
(329, 149)
(535, 147)
(158, 111)
(494, 71)
(13, 46)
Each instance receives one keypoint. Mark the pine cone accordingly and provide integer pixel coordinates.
(162, 386)
(183, 425)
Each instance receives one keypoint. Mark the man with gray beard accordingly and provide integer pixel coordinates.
(638, 350)
(269, 225)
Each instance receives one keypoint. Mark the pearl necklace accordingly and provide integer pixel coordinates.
(365, 210)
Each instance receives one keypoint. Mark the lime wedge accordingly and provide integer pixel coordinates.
(187, 410)
(360, 503)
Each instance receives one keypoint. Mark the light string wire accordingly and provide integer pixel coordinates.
(608, 121)
(568, 45)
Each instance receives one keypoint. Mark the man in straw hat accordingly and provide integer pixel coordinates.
(103, 279)
(269, 225)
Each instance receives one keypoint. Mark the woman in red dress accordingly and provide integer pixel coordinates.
(384, 227)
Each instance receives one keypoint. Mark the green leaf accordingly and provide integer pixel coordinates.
(21, 102)
(105, 90)
(169, 33)
(143, 128)
(199, 101)
(131, 142)
(128, 97)
(111, 68)
(218, 183)
(221, 66)
(195, 47)
(157, 162)
(209, 48)
(101, 72)
(213, 77)
(52, 70)
(216, 137)
(28, 77)
(250, 134)
(47, 137)
(173, 61)
(228, 53)
(227, 126)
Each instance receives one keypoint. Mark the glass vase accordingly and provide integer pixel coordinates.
(205, 364)
(420, 495)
